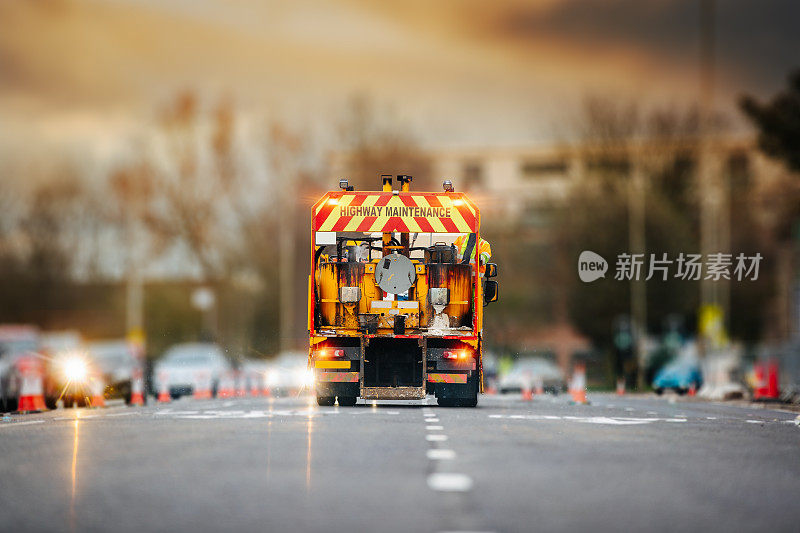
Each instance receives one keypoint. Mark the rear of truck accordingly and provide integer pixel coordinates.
(394, 312)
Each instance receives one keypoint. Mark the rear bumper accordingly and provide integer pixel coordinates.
(378, 368)
(393, 393)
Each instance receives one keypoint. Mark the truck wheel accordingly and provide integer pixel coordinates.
(347, 401)
(447, 402)
(325, 401)
(470, 402)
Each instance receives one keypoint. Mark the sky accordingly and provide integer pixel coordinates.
(90, 74)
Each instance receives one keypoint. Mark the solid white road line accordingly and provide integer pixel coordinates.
(441, 454)
(448, 482)
(25, 423)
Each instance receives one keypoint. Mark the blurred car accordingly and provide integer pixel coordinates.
(115, 361)
(181, 365)
(289, 374)
(491, 369)
(680, 375)
(532, 372)
(254, 372)
(16, 342)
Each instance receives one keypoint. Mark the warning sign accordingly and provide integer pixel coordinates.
(403, 212)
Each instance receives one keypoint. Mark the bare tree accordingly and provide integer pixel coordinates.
(375, 143)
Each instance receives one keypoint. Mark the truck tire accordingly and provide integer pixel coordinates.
(347, 401)
(325, 401)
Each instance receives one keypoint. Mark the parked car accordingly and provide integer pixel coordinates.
(254, 372)
(289, 374)
(491, 368)
(184, 367)
(679, 375)
(115, 361)
(16, 342)
(531, 372)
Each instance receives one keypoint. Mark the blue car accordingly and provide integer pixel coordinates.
(679, 375)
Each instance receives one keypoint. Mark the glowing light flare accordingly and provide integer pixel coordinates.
(75, 368)
(462, 355)
(307, 378)
(328, 353)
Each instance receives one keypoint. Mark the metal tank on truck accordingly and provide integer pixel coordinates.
(399, 281)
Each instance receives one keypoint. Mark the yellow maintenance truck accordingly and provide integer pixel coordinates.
(395, 309)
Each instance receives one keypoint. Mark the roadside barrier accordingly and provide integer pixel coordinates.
(202, 385)
(97, 387)
(137, 387)
(163, 388)
(31, 391)
(577, 386)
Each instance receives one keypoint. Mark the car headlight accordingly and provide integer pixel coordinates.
(75, 369)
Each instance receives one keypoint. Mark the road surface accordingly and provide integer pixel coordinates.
(258, 464)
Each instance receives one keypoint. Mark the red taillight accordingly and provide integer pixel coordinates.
(455, 355)
(338, 353)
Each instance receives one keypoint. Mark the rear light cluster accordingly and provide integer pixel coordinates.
(331, 352)
(459, 355)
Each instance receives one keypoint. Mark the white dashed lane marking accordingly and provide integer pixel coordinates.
(434, 428)
(447, 482)
(436, 437)
(441, 454)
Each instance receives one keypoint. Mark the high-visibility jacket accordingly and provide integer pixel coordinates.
(482, 248)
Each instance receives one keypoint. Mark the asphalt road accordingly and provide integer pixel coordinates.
(632, 463)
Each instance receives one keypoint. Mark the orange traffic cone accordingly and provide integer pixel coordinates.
(527, 394)
(163, 388)
(97, 388)
(31, 392)
(578, 385)
(202, 385)
(137, 387)
(241, 384)
(227, 387)
(539, 386)
(256, 383)
(620, 386)
(692, 389)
